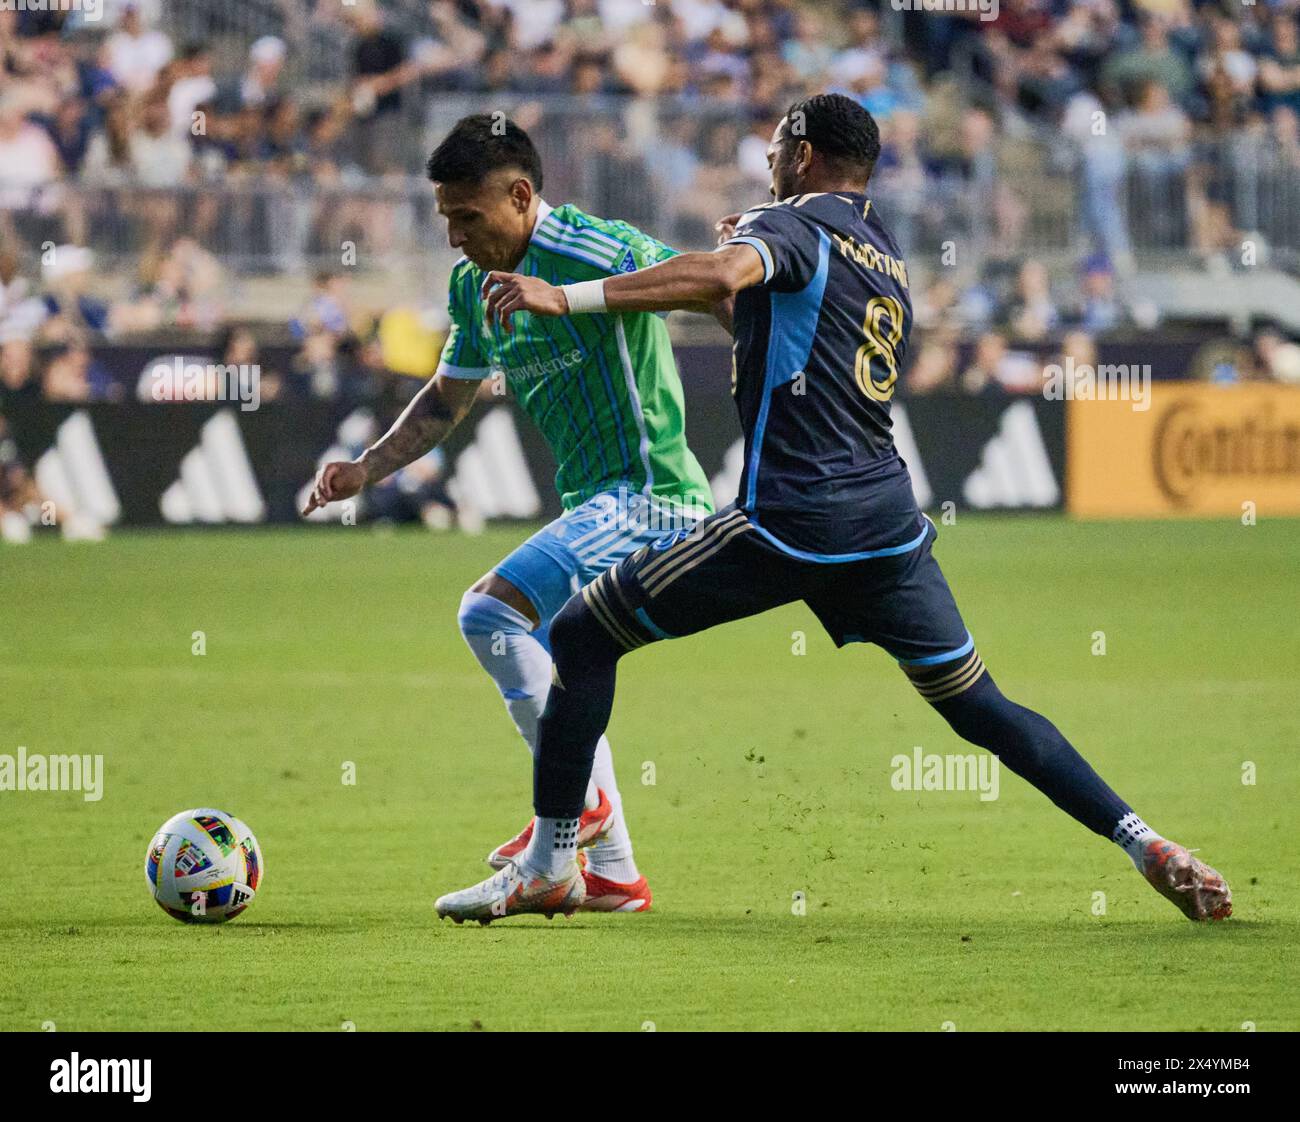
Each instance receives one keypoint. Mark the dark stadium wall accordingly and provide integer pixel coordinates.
(994, 451)
(968, 451)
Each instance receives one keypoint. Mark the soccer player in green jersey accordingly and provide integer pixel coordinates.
(605, 392)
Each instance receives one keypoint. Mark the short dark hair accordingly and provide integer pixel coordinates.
(838, 127)
(481, 144)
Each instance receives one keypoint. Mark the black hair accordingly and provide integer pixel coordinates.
(837, 127)
(481, 144)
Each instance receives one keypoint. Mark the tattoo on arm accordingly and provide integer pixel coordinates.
(423, 425)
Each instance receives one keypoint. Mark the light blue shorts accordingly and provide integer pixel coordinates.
(581, 544)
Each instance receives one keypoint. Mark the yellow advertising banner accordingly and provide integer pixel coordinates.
(1197, 449)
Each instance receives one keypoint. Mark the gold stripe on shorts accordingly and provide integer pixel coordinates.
(688, 545)
(686, 562)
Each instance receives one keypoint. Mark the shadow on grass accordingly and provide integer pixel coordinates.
(821, 928)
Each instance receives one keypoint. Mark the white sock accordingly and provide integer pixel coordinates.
(553, 847)
(502, 641)
(611, 857)
(1131, 834)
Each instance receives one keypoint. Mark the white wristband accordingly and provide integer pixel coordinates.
(585, 296)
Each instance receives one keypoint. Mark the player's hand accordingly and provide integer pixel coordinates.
(726, 227)
(507, 293)
(338, 480)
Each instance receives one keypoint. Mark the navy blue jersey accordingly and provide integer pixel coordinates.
(818, 346)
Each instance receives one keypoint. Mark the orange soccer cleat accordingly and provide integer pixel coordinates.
(1198, 891)
(610, 896)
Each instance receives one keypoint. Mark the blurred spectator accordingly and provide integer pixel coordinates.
(261, 82)
(21, 310)
(159, 157)
(934, 370)
(70, 130)
(108, 157)
(1076, 359)
(1277, 358)
(1152, 61)
(380, 69)
(136, 53)
(1279, 69)
(29, 160)
(934, 304)
(751, 154)
(809, 52)
(1102, 158)
(871, 90)
(640, 62)
(981, 377)
(328, 345)
(181, 285)
(19, 499)
(18, 381)
(1033, 313)
(1155, 135)
(1078, 346)
(326, 312)
(1100, 310)
(72, 311)
(73, 375)
(238, 347)
(864, 51)
(902, 175)
(1228, 73)
(192, 85)
(416, 493)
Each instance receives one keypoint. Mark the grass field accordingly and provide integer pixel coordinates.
(772, 777)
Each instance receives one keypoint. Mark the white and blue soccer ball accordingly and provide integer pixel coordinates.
(203, 866)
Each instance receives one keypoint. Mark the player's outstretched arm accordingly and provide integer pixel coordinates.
(690, 281)
(437, 409)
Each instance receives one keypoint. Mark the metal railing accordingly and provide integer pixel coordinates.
(320, 44)
(672, 169)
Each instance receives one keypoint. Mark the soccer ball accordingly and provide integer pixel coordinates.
(203, 866)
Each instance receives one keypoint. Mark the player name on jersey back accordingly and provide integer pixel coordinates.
(818, 346)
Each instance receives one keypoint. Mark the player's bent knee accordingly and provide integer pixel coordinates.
(499, 588)
(576, 634)
(481, 614)
(570, 628)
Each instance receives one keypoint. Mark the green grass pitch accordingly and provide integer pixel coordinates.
(771, 777)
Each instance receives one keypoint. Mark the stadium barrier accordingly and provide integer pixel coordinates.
(1187, 449)
(142, 463)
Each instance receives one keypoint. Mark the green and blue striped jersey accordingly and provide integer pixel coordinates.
(603, 389)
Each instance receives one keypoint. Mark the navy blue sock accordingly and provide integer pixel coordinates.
(577, 710)
(1031, 746)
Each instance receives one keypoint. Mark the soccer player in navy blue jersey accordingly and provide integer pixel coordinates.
(825, 512)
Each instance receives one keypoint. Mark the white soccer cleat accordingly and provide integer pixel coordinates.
(514, 891)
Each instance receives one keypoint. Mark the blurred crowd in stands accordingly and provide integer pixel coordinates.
(122, 124)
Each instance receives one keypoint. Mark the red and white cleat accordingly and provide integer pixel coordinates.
(1198, 891)
(592, 826)
(610, 896)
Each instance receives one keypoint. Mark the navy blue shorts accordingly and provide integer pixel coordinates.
(724, 569)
